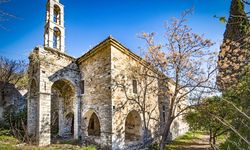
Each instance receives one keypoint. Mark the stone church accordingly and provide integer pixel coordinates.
(76, 97)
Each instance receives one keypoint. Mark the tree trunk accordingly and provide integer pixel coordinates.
(210, 136)
(2, 98)
(145, 134)
(165, 134)
(214, 140)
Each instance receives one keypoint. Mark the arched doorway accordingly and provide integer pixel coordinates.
(91, 124)
(94, 126)
(62, 116)
(133, 127)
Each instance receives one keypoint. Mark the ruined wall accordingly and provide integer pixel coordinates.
(13, 100)
(33, 101)
(123, 68)
(46, 67)
(95, 71)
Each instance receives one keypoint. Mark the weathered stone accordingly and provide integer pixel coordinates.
(12, 99)
(68, 95)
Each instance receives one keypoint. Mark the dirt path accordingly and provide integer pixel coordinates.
(201, 143)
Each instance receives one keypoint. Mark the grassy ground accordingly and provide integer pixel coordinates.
(190, 141)
(8, 142)
(193, 141)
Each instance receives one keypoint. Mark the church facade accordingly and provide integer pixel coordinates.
(87, 98)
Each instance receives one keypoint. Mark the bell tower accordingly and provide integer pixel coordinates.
(54, 34)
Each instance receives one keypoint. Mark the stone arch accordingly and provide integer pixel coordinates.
(63, 77)
(56, 38)
(57, 14)
(133, 126)
(62, 108)
(92, 123)
(33, 108)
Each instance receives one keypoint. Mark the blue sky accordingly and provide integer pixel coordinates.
(88, 22)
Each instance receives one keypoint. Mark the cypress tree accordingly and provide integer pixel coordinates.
(233, 68)
(238, 23)
(233, 55)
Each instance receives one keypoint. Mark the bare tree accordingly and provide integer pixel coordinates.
(139, 88)
(186, 60)
(11, 71)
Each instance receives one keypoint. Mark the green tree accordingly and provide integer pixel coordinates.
(235, 45)
(238, 23)
(203, 118)
(239, 97)
(234, 49)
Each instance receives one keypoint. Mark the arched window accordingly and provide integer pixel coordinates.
(56, 38)
(57, 15)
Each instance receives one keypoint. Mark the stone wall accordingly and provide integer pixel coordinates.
(126, 67)
(48, 66)
(13, 98)
(103, 113)
(95, 71)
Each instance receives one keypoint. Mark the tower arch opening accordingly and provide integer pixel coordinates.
(56, 38)
(57, 14)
